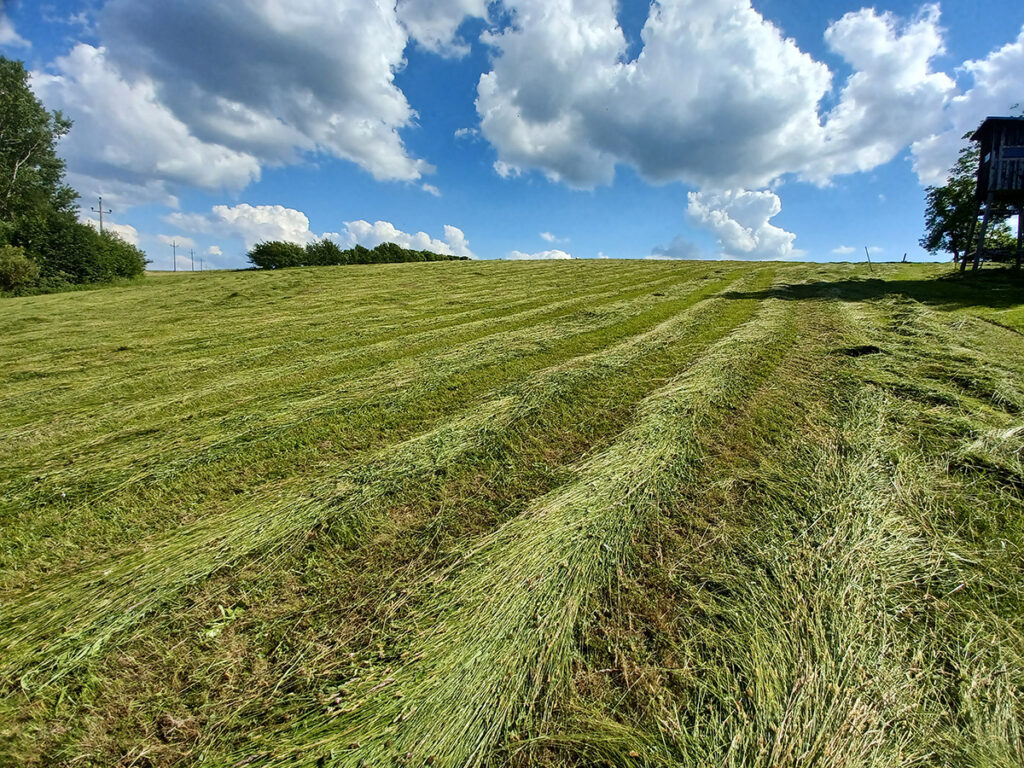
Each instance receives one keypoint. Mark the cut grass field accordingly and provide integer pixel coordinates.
(516, 514)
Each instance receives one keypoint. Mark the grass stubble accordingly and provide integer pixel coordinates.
(805, 548)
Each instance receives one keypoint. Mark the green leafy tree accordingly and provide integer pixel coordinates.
(120, 258)
(323, 253)
(277, 254)
(951, 212)
(31, 173)
(37, 209)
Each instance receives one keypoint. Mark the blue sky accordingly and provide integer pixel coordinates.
(522, 128)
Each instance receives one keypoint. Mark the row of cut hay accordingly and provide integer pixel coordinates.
(959, 465)
(330, 365)
(232, 424)
(109, 488)
(364, 304)
(794, 633)
(845, 622)
(53, 628)
(490, 647)
(365, 315)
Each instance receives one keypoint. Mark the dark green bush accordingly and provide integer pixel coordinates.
(17, 271)
(73, 252)
(121, 258)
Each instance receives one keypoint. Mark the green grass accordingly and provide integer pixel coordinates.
(499, 514)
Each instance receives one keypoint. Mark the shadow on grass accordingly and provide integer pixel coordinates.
(996, 289)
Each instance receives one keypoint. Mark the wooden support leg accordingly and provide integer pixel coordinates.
(1020, 235)
(981, 235)
(970, 238)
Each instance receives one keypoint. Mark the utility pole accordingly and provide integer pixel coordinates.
(100, 211)
(174, 250)
(871, 267)
(192, 257)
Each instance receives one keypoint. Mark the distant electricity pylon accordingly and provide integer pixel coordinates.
(100, 211)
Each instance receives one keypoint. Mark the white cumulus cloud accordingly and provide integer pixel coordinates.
(893, 98)
(371, 235)
(434, 23)
(539, 256)
(996, 90)
(202, 94)
(126, 144)
(126, 232)
(275, 78)
(250, 223)
(214, 250)
(741, 222)
(256, 223)
(9, 38)
(717, 97)
(843, 250)
(457, 242)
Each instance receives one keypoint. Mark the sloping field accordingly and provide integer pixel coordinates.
(515, 514)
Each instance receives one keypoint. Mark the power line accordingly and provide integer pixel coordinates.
(100, 211)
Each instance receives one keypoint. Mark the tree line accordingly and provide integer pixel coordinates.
(43, 245)
(278, 254)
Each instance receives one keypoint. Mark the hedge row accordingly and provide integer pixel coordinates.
(278, 254)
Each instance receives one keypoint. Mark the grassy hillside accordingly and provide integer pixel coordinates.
(515, 514)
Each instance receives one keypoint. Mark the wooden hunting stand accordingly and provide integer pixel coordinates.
(1000, 177)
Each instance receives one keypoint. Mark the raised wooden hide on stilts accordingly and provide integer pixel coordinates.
(1000, 176)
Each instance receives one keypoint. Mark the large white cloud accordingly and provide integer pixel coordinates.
(250, 223)
(202, 94)
(717, 96)
(996, 89)
(126, 144)
(457, 242)
(893, 97)
(434, 23)
(276, 77)
(255, 223)
(741, 222)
